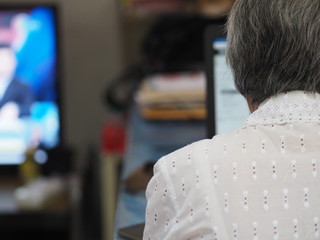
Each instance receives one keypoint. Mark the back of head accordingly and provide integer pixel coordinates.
(274, 46)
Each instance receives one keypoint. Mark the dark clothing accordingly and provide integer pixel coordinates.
(19, 93)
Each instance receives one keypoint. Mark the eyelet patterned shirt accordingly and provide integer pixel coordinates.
(259, 182)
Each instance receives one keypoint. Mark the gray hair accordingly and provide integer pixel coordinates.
(274, 46)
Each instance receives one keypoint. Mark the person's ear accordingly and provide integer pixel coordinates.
(251, 105)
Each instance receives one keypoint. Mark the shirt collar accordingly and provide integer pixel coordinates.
(295, 106)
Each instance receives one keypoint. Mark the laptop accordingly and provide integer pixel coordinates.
(227, 108)
(134, 232)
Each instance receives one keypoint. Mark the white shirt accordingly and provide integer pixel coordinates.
(259, 182)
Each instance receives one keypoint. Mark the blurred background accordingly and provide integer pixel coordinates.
(128, 87)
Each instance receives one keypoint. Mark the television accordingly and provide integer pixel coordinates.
(227, 109)
(30, 110)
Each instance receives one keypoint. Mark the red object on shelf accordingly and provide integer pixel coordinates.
(114, 136)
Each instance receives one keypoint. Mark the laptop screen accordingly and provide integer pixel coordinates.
(230, 106)
(227, 108)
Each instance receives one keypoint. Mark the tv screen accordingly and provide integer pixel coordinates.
(29, 106)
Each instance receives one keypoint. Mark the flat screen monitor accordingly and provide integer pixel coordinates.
(29, 94)
(227, 108)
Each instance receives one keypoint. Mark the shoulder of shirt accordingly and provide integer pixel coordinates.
(198, 146)
(190, 147)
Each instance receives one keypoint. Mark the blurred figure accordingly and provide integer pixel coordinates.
(15, 97)
(19, 30)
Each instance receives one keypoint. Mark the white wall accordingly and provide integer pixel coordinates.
(91, 55)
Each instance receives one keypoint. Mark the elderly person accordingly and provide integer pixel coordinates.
(263, 180)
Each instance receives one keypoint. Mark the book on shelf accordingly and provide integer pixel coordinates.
(172, 96)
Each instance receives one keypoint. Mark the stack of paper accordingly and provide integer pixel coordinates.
(173, 96)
